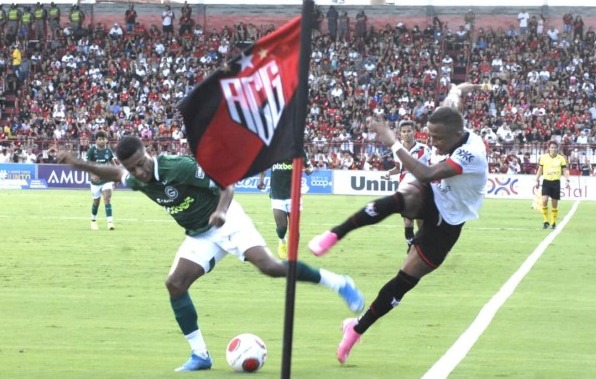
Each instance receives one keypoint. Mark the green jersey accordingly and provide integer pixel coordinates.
(183, 189)
(281, 179)
(99, 156)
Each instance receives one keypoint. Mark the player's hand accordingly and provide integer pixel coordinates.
(217, 218)
(261, 185)
(384, 135)
(65, 157)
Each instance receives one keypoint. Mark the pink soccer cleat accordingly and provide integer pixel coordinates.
(349, 339)
(321, 244)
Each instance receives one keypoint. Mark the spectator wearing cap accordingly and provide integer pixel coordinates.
(76, 17)
(40, 16)
(53, 19)
(116, 33)
(13, 17)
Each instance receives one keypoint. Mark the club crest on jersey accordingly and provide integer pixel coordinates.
(256, 101)
(171, 192)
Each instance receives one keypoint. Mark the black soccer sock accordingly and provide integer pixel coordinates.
(409, 232)
(388, 298)
(281, 232)
(372, 213)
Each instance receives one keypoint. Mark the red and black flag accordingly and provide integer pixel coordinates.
(243, 118)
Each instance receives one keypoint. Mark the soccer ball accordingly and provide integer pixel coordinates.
(246, 353)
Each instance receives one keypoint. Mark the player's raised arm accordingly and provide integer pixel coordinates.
(106, 172)
(456, 93)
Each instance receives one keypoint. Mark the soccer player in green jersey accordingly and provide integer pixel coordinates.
(100, 153)
(280, 194)
(215, 226)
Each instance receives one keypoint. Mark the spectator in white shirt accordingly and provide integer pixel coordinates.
(116, 32)
(523, 18)
(553, 34)
(159, 47)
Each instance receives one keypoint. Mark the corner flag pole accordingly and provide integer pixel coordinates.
(297, 163)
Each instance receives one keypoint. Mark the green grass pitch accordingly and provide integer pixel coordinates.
(81, 304)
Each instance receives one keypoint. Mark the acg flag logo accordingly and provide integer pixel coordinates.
(256, 101)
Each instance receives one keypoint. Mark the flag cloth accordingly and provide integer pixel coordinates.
(242, 118)
(537, 200)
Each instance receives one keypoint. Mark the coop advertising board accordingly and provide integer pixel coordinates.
(319, 182)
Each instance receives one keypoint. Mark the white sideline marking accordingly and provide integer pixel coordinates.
(458, 351)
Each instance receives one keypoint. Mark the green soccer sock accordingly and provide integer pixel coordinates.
(306, 273)
(185, 313)
(94, 209)
(108, 210)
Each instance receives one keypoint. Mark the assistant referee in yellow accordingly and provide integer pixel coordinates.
(551, 165)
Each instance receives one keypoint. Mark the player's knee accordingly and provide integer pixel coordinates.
(175, 286)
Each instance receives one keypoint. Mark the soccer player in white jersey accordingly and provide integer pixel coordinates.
(419, 151)
(448, 193)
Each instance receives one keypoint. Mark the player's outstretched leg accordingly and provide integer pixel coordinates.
(341, 284)
(372, 213)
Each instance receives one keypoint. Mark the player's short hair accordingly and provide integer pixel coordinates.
(553, 143)
(128, 146)
(101, 134)
(405, 123)
(447, 116)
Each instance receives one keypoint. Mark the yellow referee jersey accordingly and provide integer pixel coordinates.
(552, 167)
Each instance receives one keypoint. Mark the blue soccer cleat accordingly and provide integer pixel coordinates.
(196, 363)
(352, 296)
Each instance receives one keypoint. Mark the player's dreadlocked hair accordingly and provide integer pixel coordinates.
(128, 146)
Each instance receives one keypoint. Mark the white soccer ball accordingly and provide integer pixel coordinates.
(246, 353)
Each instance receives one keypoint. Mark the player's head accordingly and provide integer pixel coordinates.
(406, 131)
(553, 148)
(131, 154)
(101, 138)
(445, 129)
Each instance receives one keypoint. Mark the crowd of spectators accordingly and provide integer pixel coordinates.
(126, 79)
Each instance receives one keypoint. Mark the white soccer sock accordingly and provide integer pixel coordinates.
(331, 280)
(197, 343)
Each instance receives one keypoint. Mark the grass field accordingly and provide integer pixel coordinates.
(81, 304)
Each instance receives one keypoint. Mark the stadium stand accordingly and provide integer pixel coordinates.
(400, 66)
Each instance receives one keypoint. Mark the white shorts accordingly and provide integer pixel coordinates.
(283, 204)
(237, 235)
(407, 179)
(97, 189)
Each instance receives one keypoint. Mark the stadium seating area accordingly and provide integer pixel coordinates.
(542, 87)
